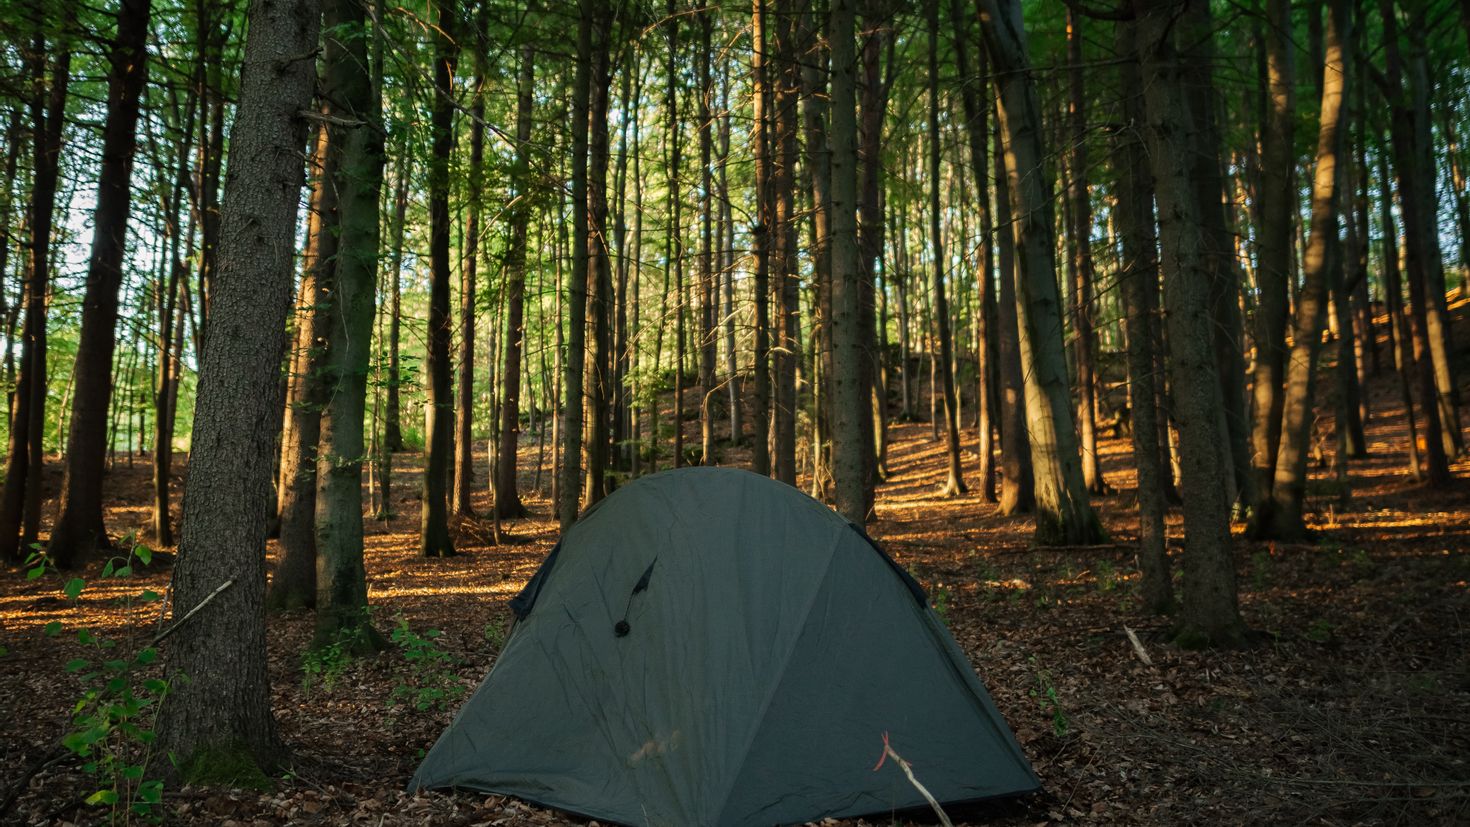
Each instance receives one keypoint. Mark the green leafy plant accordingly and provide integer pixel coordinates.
(1320, 631)
(1046, 696)
(940, 601)
(431, 684)
(495, 635)
(111, 729)
(323, 665)
(1107, 575)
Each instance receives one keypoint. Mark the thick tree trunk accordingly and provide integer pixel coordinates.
(955, 481)
(1064, 515)
(1017, 492)
(341, 599)
(507, 490)
(79, 530)
(1210, 615)
(1139, 282)
(434, 539)
(221, 713)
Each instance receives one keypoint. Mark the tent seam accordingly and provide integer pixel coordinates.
(779, 675)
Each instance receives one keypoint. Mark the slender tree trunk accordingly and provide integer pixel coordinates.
(464, 437)
(1064, 515)
(1393, 293)
(341, 600)
(434, 539)
(1081, 209)
(222, 713)
(707, 283)
(392, 424)
(1139, 282)
(955, 482)
(1273, 271)
(293, 582)
(848, 389)
(784, 272)
(507, 491)
(1211, 615)
(19, 501)
(569, 494)
(599, 264)
(79, 530)
(764, 235)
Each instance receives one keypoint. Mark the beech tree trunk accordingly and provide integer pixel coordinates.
(221, 715)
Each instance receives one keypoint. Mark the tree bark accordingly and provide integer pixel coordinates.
(763, 233)
(599, 264)
(955, 482)
(464, 419)
(507, 490)
(222, 712)
(79, 531)
(785, 274)
(569, 495)
(341, 599)
(1139, 283)
(1274, 271)
(1210, 613)
(1064, 515)
(434, 539)
(848, 390)
(1017, 491)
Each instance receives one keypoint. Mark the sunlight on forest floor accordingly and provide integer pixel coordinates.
(1351, 707)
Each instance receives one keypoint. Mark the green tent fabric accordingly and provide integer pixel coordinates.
(711, 647)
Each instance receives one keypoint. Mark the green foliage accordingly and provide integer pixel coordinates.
(495, 635)
(1261, 570)
(940, 600)
(323, 665)
(111, 729)
(230, 765)
(1045, 694)
(431, 683)
(1320, 631)
(1107, 575)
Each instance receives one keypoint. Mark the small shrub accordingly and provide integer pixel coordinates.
(1046, 696)
(432, 684)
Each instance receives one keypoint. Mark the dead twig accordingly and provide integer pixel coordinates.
(909, 771)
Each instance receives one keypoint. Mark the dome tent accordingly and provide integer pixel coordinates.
(707, 646)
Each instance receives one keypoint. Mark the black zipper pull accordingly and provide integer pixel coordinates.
(621, 628)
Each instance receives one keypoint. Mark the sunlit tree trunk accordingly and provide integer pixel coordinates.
(955, 482)
(763, 235)
(1017, 492)
(1063, 514)
(569, 494)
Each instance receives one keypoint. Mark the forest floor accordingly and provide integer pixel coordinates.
(1351, 708)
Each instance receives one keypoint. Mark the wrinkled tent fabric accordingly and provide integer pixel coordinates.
(711, 647)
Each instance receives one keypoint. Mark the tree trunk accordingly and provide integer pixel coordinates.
(79, 530)
(848, 390)
(1210, 611)
(764, 234)
(464, 419)
(1017, 491)
(785, 274)
(507, 491)
(955, 482)
(341, 600)
(707, 279)
(221, 715)
(569, 495)
(599, 272)
(1064, 515)
(1139, 282)
(1274, 271)
(977, 119)
(293, 582)
(23, 481)
(434, 539)
(1081, 212)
